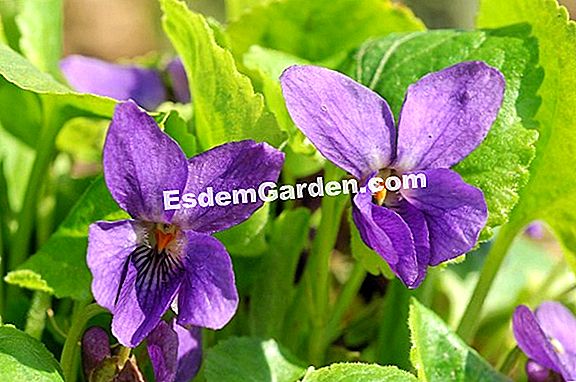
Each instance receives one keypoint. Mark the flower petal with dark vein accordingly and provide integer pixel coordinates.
(445, 116)
(141, 265)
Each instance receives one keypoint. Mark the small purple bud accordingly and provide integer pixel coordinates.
(178, 80)
(95, 348)
(536, 372)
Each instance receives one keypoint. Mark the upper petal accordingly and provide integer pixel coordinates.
(532, 340)
(348, 123)
(140, 162)
(208, 296)
(385, 232)
(455, 213)
(558, 322)
(121, 82)
(109, 245)
(447, 114)
(229, 167)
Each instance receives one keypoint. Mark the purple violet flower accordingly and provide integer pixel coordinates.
(175, 352)
(121, 82)
(141, 265)
(445, 116)
(547, 338)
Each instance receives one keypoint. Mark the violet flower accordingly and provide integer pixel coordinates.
(175, 352)
(547, 338)
(123, 82)
(141, 265)
(445, 116)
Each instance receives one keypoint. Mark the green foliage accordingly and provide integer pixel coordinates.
(241, 359)
(550, 194)
(317, 30)
(247, 238)
(440, 355)
(499, 166)
(65, 252)
(274, 290)
(358, 372)
(226, 108)
(23, 358)
(40, 25)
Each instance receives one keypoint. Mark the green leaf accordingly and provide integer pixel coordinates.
(317, 30)
(226, 108)
(274, 290)
(40, 24)
(247, 238)
(358, 372)
(241, 359)
(23, 358)
(499, 166)
(175, 126)
(20, 72)
(83, 138)
(440, 355)
(65, 252)
(550, 194)
(234, 8)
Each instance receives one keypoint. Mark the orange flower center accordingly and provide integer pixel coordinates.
(164, 235)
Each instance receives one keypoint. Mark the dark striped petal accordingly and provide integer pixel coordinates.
(150, 283)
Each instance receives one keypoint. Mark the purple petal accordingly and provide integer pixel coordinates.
(140, 162)
(447, 114)
(419, 229)
(385, 232)
(150, 285)
(95, 348)
(109, 245)
(532, 340)
(454, 211)
(179, 80)
(559, 323)
(535, 230)
(536, 372)
(189, 352)
(231, 166)
(121, 82)
(348, 123)
(208, 296)
(162, 345)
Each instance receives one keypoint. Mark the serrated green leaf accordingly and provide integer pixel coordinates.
(499, 166)
(440, 355)
(274, 290)
(241, 359)
(40, 25)
(23, 358)
(317, 30)
(65, 252)
(358, 372)
(226, 108)
(550, 194)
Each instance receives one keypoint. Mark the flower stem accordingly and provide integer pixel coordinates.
(318, 270)
(44, 151)
(470, 318)
(70, 354)
(510, 360)
(36, 319)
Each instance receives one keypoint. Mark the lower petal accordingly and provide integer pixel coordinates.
(208, 296)
(385, 232)
(189, 352)
(455, 213)
(150, 285)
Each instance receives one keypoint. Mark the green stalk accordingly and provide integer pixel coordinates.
(349, 291)
(510, 360)
(471, 318)
(2, 268)
(71, 351)
(318, 270)
(44, 152)
(36, 319)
